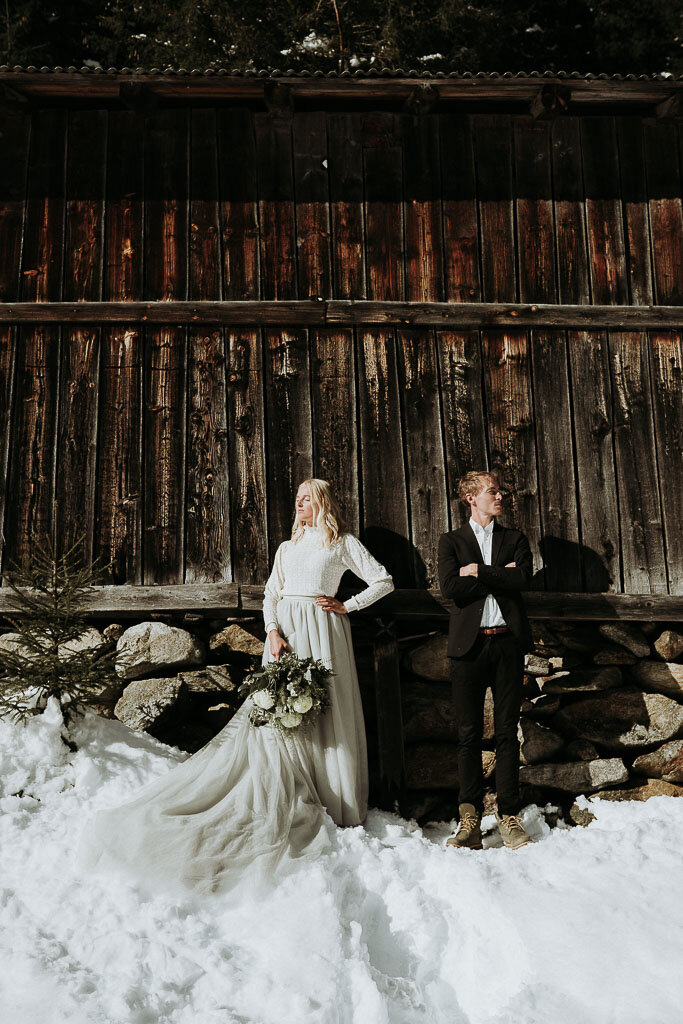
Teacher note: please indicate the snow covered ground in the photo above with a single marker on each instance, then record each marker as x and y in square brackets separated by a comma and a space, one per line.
[584, 926]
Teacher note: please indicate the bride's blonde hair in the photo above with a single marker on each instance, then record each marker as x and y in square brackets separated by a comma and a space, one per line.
[326, 513]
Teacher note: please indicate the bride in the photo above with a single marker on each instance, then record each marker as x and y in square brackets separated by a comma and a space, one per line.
[253, 801]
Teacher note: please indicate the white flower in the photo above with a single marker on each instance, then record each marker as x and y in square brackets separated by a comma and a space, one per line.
[290, 719]
[303, 703]
[263, 699]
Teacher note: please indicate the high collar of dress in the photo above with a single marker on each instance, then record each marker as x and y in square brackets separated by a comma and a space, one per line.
[486, 530]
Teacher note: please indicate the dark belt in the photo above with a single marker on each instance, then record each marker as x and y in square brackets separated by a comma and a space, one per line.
[493, 630]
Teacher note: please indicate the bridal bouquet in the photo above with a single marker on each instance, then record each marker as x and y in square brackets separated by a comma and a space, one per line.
[289, 693]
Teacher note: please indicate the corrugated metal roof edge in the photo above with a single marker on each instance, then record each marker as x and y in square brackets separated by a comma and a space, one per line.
[358, 74]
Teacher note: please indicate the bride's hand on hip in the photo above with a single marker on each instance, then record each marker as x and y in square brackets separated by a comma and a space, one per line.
[278, 645]
[331, 604]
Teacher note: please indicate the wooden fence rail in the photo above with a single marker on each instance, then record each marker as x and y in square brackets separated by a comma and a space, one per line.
[231, 598]
[340, 312]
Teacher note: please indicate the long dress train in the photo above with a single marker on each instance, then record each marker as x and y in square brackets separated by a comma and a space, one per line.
[255, 800]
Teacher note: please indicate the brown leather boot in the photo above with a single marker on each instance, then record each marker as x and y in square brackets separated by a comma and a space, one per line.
[512, 832]
[468, 835]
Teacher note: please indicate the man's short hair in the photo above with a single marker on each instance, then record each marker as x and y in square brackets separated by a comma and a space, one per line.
[472, 482]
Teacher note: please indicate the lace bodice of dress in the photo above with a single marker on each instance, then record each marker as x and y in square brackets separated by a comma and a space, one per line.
[309, 568]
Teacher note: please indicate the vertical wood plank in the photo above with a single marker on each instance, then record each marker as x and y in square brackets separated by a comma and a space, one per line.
[246, 434]
[335, 446]
[666, 213]
[593, 431]
[493, 139]
[422, 209]
[534, 212]
[634, 200]
[166, 244]
[556, 483]
[79, 376]
[512, 444]
[642, 547]
[666, 358]
[459, 203]
[15, 134]
[538, 283]
[289, 444]
[207, 503]
[32, 461]
[607, 251]
[239, 216]
[570, 226]
[386, 525]
[462, 410]
[383, 215]
[345, 166]
[119, 513]
[418, 383]
[309, 140]
[276, 206]
[239, 204]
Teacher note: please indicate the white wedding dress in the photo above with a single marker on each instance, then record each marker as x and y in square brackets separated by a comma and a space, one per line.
[255, 800]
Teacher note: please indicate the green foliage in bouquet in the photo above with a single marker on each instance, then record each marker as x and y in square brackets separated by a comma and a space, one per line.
[288, 694]
[44, 658]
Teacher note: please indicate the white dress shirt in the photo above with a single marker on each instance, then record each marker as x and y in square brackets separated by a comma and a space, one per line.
[491, 615]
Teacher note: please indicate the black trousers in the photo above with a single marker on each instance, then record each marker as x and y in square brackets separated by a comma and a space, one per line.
[496, 661]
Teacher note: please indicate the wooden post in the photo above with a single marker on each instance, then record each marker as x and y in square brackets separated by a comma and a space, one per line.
[389, 715]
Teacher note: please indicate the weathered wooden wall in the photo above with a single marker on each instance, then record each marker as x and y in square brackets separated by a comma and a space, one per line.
[177, 450]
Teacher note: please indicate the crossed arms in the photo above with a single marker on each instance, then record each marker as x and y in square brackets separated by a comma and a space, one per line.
[478, 580]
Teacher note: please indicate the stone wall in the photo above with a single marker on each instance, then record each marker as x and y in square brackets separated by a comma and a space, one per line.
[602, 713]
[602, 710]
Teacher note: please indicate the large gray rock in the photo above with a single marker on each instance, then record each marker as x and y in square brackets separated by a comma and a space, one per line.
[429, 714]
[235, 640]
[576, 776]
[628, 636]
[614, 655]
[89, 640]
[642, 791]
[662, 676]
[582, 680]
[213, 679]
[431, 766]
[537, 742]
[113, 631]
[583, 639]
[155, 647]
[147, 703]
[669, 644]
[666, 762]
[581, 750]
[429, 660]
[12, 643]
[541, 707]
[622, 720]
[435, 765]
[536, 666]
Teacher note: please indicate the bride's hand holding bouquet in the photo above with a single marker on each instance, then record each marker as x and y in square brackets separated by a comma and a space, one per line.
[288, 693]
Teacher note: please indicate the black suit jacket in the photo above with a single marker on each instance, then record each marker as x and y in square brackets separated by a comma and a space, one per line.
[468, 593]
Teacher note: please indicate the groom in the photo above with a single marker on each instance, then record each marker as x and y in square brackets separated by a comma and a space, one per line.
[482, 569]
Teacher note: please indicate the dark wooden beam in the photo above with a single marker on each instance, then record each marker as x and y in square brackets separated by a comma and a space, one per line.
[321, 312]
[186, 86]
[231, 598]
